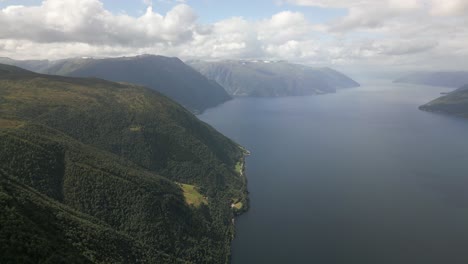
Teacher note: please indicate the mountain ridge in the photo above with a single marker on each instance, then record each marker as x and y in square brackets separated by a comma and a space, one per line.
[160, 73]
[272, 78]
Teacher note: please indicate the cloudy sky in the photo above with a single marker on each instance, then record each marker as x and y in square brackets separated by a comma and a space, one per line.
[415, 34]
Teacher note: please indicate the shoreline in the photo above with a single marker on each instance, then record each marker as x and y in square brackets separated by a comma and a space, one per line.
[245, 201]
[242, 204]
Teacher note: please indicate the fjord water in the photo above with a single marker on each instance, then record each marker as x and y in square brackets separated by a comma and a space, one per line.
[360, 176]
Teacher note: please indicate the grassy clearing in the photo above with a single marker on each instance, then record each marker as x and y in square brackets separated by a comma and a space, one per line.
[239, 167]
[135, 128]
[192, 196]
[237, 205]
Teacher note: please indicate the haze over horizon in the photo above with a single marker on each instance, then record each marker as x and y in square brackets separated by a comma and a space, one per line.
[363, 34]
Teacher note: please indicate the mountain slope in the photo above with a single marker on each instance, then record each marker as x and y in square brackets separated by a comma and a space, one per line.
[463, 88]
[455, 103]
[169, 76]
[448, 78]
[272, 79]
[101, 161]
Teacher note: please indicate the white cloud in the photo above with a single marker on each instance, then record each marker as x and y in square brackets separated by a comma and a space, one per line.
[350, 3]
[329, 3]
[390, 33]
[449, 7]
[405, 4]
[283, 27]
[233, 37]
[86, 21]
[421, 33]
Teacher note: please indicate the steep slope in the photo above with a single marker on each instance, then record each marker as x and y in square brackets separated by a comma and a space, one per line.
[32, 65]
[272, 79]
[463, 88]
[85, 161]
[169, 76]
[38, 229]
[448, 78]
[455, 103]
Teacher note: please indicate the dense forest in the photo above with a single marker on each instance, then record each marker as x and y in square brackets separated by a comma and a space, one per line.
[94, 171]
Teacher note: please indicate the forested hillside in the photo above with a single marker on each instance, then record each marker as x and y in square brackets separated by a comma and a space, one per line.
[97, 172]
[170, 76]
[454, 103]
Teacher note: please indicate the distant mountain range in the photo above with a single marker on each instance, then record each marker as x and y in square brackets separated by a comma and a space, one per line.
[170, 76]
[454, 103]
[204, 84]
[272, 78]
[94, 171]
[453, 79]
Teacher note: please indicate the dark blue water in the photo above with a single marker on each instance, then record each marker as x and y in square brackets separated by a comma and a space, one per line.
[361, 176]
